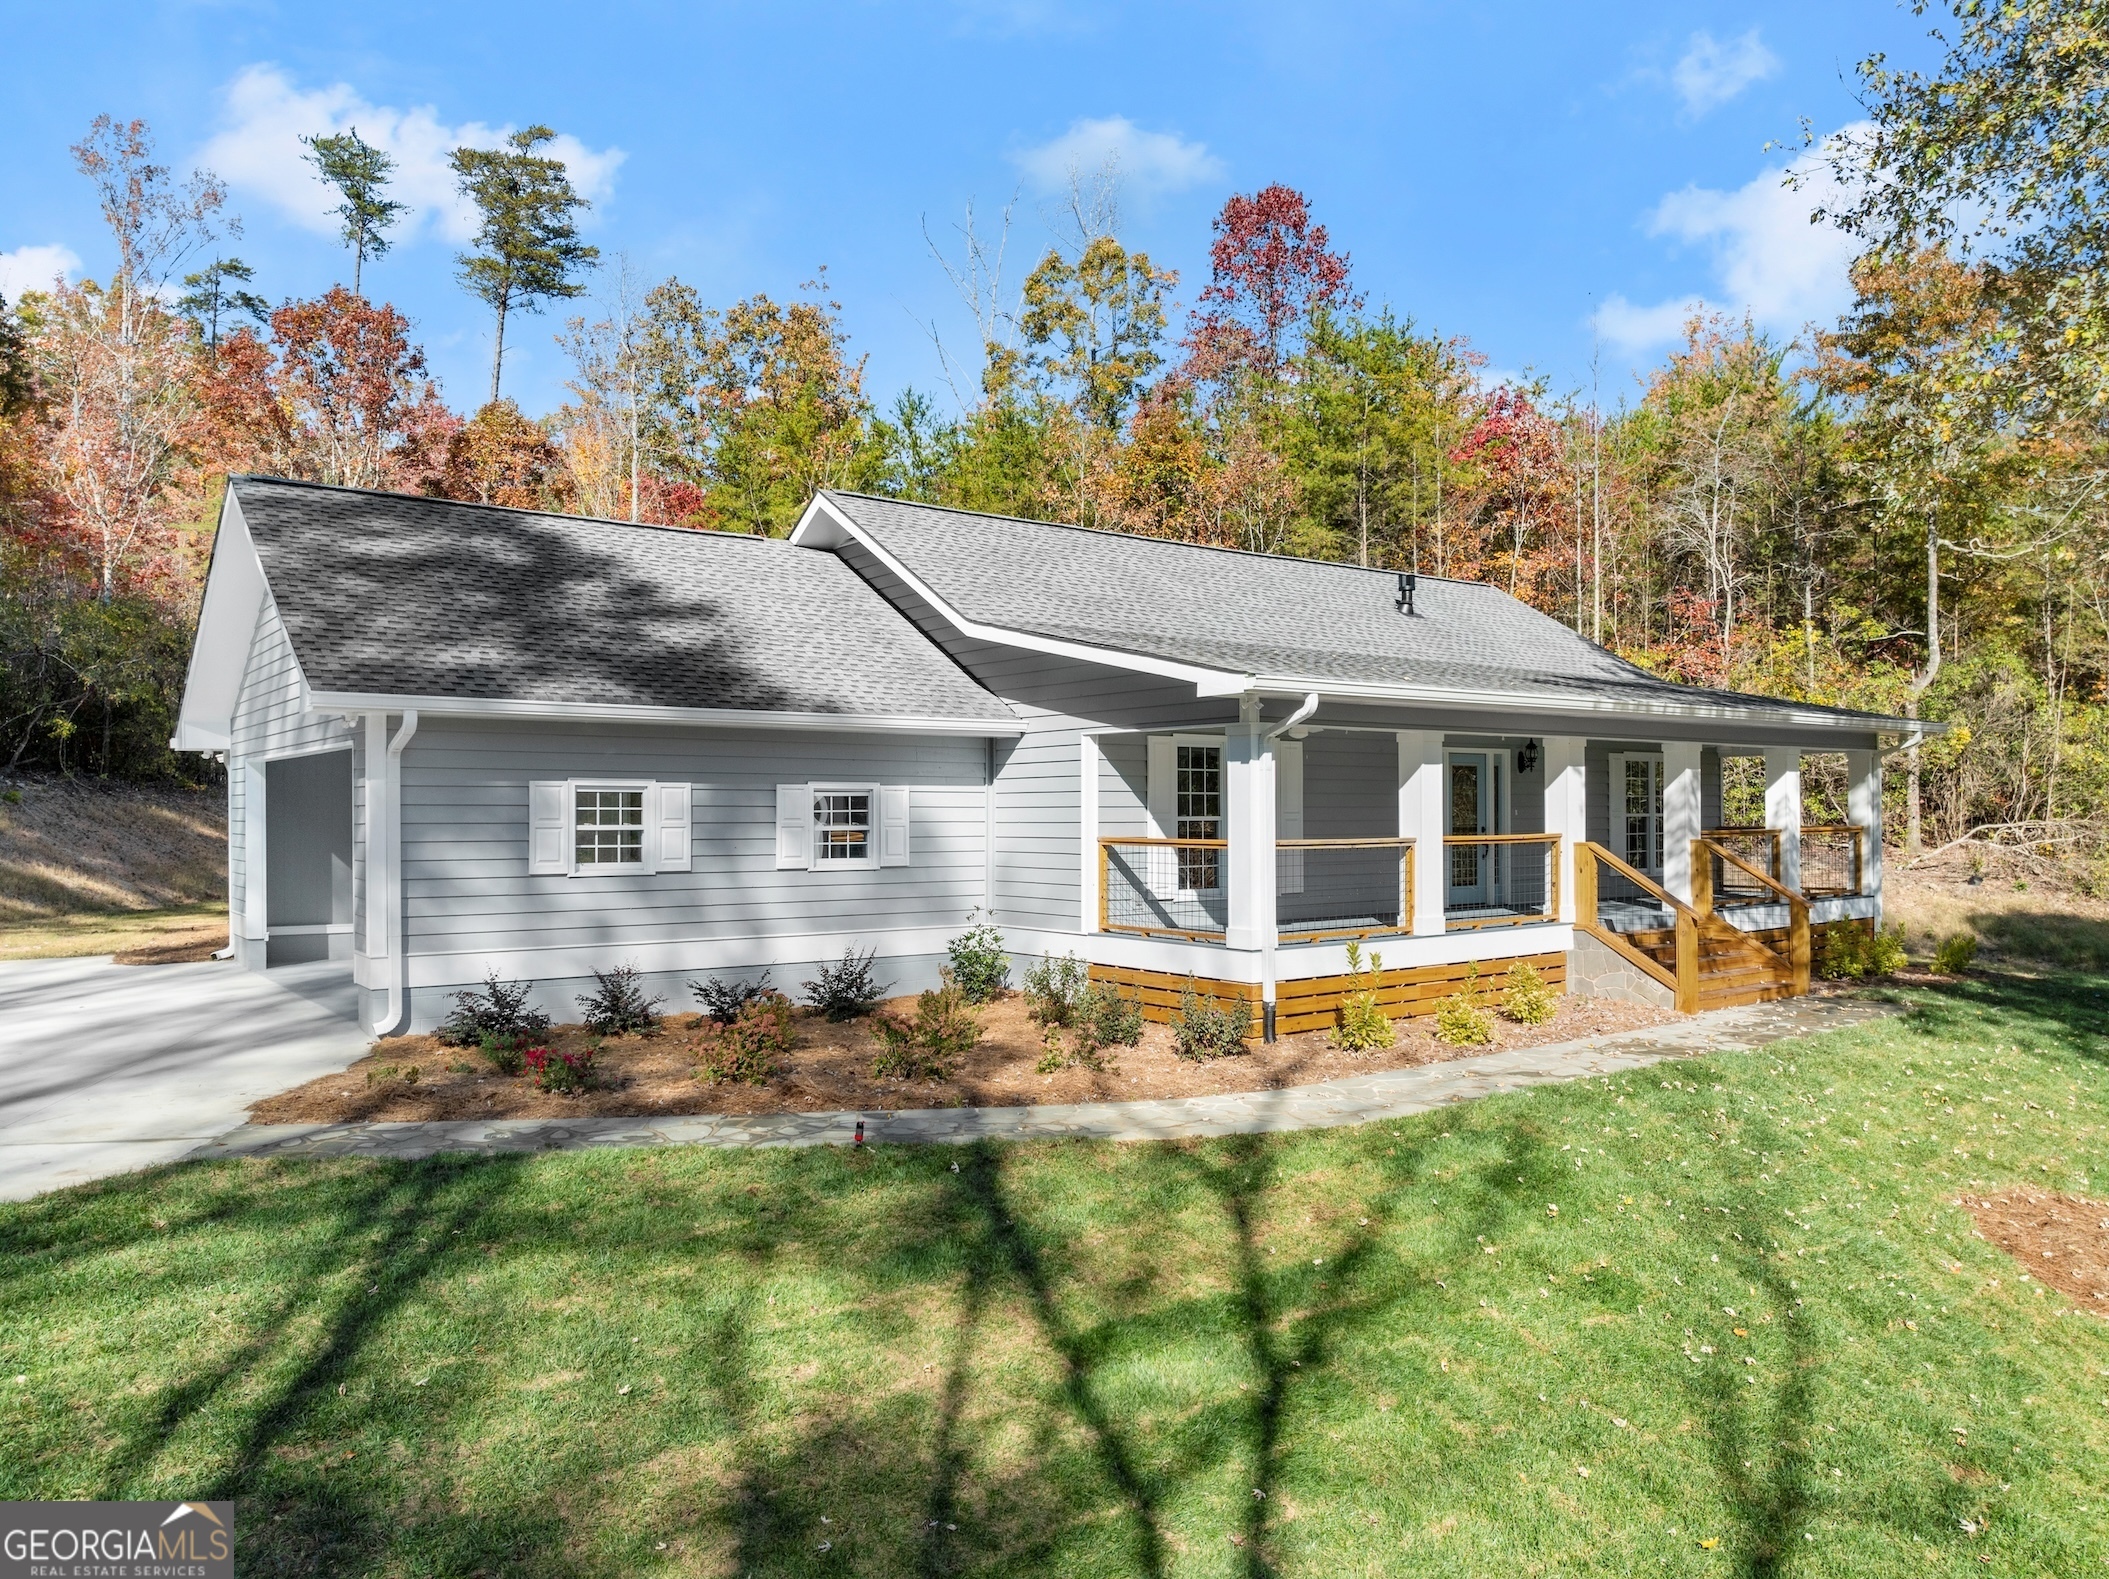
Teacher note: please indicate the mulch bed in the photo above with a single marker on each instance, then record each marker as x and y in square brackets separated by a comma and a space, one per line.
[2062, 1241]
[831, 1068]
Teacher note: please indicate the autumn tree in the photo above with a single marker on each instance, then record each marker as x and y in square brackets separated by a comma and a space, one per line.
[501, 456]
[359, 171]
[527, 245]
[216, 291]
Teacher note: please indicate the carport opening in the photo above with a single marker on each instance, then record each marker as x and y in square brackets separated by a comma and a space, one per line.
[308, 858]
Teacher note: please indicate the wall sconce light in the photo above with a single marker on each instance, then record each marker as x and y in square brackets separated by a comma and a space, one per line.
[1527, 756]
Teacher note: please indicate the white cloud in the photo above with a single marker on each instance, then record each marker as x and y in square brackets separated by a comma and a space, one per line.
[1709, 73]
[1768, 260]
[34, 268]
[1149, 162]
[259, 151]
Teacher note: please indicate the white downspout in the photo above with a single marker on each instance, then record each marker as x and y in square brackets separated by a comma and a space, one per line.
[1273, 934]
[391, 884]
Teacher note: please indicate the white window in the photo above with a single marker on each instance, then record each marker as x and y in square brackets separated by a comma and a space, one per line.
[841, 827]
[598, 828]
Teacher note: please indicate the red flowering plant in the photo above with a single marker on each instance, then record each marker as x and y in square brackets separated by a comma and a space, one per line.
[566, 1074]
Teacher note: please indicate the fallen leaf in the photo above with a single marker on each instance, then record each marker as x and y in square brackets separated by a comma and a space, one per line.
[1710, 1543]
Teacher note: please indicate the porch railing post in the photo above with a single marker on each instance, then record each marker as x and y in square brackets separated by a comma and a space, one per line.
[1683, 817]
[1783, 811]
[1567, 814]
[1864, 811]
[1248, 795]
[1421, 820]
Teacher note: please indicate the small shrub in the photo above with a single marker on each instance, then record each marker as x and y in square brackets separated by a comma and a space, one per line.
[13, 797]
[1847, 953]
[1957, 953]
[926, 1048]
[1885, 952]
[980, 963]
[723, 1000]
[1527, 1000]
[1463, 1021]
[1100, 1018]
[747, 1048]
[505, 1052]
[565, 1074]
[1055, 989]
[499, 1010]
[1363, 1025]
[846, 990]
[389, 1074]
[617, 1005]
[1205, 1029]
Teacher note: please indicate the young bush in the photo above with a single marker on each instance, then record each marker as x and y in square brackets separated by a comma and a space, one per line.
[388, 1074]
[747, 1048]
[1462, 1021]
[617, 1005]
[1841, 954]
[980, 963]
[1957, 953]
[1527, 1000]
[1055, 990]
[723, 1000]
[846, 990]
[506, 1052]
[1205, 1029]
[929, 1046]
[565, 1074]
[500, 1010]
[1100, 1018]
[1362, 1025]
[1885, 952]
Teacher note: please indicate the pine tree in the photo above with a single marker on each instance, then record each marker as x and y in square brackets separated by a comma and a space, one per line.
[359, 171]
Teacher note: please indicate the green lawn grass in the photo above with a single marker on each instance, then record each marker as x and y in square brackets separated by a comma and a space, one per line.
[112, 932]
[1367, 1351]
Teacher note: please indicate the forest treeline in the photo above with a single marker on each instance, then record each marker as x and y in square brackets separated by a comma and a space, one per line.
[1901, 511]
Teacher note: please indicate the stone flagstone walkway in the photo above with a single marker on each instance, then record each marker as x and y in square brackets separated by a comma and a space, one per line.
[1358, 1099]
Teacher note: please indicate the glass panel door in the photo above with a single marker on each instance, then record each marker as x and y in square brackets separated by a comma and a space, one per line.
[1471, 796]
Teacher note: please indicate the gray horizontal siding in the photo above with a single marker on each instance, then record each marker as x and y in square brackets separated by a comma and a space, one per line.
[467, 888]
[1350, 785]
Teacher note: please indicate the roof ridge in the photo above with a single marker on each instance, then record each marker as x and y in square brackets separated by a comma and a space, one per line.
[510, 509]
[1144, 537]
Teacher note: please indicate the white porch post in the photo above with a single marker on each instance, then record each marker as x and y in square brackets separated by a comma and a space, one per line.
[1864, 810]
[1087, 820]
[1683, 819]
[1567, 809]
[1783, 809]
[1421, 820]
[376, 846]
[1248, 806]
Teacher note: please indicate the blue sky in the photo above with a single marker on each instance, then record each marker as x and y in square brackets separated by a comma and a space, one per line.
[1538, 178]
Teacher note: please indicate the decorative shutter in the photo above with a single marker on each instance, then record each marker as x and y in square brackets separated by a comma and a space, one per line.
[256, 880]
[670, 804]
[1288, 813]
[794, 827]
[893, 827]
[1162, 787]
[548, 829]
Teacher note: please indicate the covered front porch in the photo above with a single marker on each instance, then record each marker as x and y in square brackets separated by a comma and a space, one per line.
[1256, 853]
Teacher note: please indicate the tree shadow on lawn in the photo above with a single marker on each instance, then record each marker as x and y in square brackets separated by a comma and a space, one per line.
[2067, 941]
[2064, 1012]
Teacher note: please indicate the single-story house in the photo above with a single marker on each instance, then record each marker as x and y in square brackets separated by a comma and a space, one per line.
[463, 738]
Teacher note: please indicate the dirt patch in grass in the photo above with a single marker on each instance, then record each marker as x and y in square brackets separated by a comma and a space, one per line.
[135, 937]
[832, 1068]
[2062, 1241]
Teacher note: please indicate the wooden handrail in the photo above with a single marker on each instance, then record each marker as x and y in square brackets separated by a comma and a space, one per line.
[1341, 844]
[1798, 944]
[1638, 879]
[1683, 981]
[1501, 838]
[1179, 844]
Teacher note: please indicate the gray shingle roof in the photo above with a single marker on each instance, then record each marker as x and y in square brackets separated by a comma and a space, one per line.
[1260, 614]
[395, 595]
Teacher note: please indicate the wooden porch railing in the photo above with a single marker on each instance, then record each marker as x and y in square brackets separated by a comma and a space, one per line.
[1705, 852]
[1833, 860]
[1683, 978]
[1529, 880]
[1163, 887]
[1342, 888]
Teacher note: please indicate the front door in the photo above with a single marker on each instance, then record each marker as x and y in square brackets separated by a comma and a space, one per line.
[1636, 824]
[1473, 802]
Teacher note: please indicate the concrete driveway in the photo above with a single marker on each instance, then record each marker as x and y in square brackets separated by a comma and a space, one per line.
[105, 1068]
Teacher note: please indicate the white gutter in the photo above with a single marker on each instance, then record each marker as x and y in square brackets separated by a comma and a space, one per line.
[1310, 706]
[391, 885]
[615, 712]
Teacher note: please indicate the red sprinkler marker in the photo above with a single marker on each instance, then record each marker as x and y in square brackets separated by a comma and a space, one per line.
[860, 1133]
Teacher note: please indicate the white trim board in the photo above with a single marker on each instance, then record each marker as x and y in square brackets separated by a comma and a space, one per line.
[613, 712]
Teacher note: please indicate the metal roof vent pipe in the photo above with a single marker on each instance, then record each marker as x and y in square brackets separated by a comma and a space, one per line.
[1406, 584]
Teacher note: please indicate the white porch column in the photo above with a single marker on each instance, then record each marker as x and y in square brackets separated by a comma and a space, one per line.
[1566, 808]
[377, 852]
[1248, 808]
[1683, 818]
[1783, 808]
[1088, 755]
[1863, 799]
[1421, 820]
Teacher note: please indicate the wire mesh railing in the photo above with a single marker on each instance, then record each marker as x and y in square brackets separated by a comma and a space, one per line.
[1833, 857]
[1338, 888]
[1501, 880]
[1164, 887]
[1760, 847]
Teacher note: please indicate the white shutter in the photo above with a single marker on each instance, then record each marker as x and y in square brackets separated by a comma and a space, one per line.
[893, 827]
[670, 803]
[548, 828]
[1288, 812]
[256, 880]
[1163, 787]
[794, 827]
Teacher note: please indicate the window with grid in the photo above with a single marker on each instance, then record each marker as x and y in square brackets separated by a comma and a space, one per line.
[841, 825]
[608, 827]
[1200, 813]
